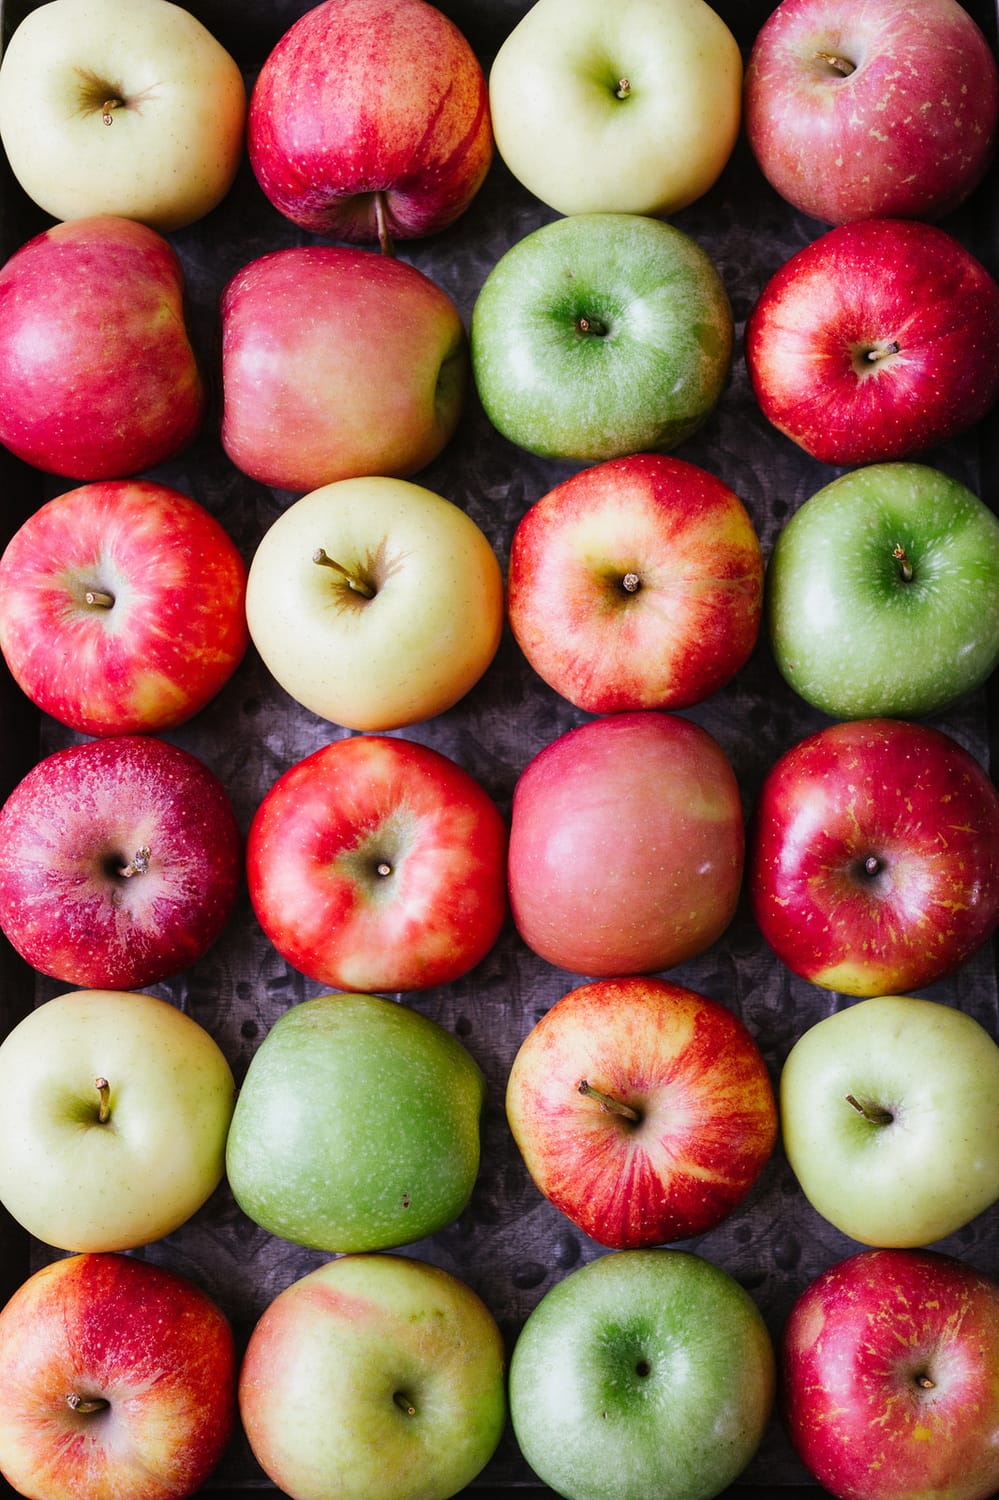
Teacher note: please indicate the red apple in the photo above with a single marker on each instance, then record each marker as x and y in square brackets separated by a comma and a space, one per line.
[643, 1110]
[861, 109]
[876, 341]
[889, 1366]
[120, 862]
[636, 583]
[122, 607]
[98, 377]
[119, 1379]
[378, 864]
[626, 845]
[873, 863]
[338, 362]
[370, 120]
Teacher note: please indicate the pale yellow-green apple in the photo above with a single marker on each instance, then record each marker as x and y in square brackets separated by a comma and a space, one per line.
[632, 107]
[375, 602]
[135, 110]
[119, 1109]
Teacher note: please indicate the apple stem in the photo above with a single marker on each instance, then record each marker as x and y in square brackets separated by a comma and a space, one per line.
[881, 351]
[631, 583]
[104, 1107]
[872, 1112]
[838, 64]
[904, 565]
[107, 110]
[623, 89]
[100, 598]
[591, 327]
[85, 1404]
[404, 1404]
[139, 863]
[608, 1102]
[925, 1383]
[381, 223]
[359, 586]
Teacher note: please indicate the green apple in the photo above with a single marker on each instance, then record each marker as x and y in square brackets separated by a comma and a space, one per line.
[601, 335]
[374, 1377]
[644, 1375]
[117, 1107]
[882, 593]
[357, 1126]
[890, 1119]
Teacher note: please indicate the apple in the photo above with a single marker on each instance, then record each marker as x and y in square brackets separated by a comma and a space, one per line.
[883, 593]
[861, 109]
[890, 1119]
[636, 583]
[374, 1377]
[119, 1105]
[122, 607]
[369, 120]
[337, 362]
[120, 862]
[375, 602]
[889, 1361]
[601, 335]
[643, 1110]
[626, 845]
[130, 110]
[357, 1126]
[378, 864]
[642, 1375]
[873, 861]
[98, 377]
[119, 1378]
[630, 108]
[875, 341]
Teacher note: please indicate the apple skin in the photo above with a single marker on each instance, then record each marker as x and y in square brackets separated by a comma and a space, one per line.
[81, 1177]
[890, 1119]
[120, 862]
[632, 108]
[147, 1344]
[626, 845]
[165, 153]
[369, 120]
[888, 1364]
[875, 342]
[642, 1375]
[167, 630]
[357, 1126]
[338, 362]
[79, 300]
[601, 335]
[913, 802]
[424, 638]
[861, 109]
[374, 1377]
[706, 1115]
[860, 631]
[636, 583]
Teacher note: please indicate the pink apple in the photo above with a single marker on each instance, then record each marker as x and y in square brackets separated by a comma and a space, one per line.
[636, 583]
[122, 607]
[120, 862]
[861, 109]
[626, 845]
[98, 377]
[119, 1378]
[643, 1110]
[889, 1370]
[874, 859]
[370, 120]
[378, 864]
[336, 363]
[876, 341]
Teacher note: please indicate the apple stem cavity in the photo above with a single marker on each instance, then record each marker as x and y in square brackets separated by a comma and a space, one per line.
[104, 1100]
[904, 565]
[875, 1113]
[85, 1404]
[138, 864]
[608, 1102]
[322, 557]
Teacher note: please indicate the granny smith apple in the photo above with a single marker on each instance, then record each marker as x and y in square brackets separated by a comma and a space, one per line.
[883, 593]
[601, 335]
[357, 1125]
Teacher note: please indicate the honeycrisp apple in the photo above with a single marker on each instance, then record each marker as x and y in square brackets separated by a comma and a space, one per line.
[601, 335]
[119, 1378]
[629, 108]
[119, 1108]
[337, 362]
[636, 583]
[375, 602]
[122, 607]
[134, 110]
